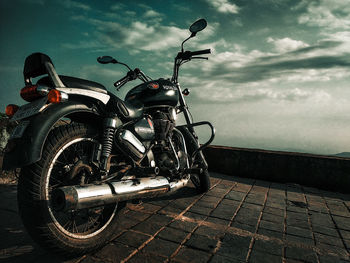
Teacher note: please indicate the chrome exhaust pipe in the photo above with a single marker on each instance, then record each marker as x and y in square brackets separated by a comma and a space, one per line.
[87, 196]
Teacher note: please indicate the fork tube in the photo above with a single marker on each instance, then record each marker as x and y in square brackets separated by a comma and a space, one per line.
[185, 110]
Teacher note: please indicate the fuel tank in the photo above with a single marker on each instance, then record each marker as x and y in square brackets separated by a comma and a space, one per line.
[160, 92]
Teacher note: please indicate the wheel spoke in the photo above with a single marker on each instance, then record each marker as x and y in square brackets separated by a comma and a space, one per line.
[70, 169]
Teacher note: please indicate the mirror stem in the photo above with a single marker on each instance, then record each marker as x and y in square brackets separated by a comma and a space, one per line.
[124, 65]
[183, 42]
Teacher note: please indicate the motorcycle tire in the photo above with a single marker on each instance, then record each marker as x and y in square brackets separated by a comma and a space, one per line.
[201, 181]
[48, 227]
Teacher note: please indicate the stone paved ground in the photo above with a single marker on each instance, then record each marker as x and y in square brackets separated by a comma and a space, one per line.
[238, 220]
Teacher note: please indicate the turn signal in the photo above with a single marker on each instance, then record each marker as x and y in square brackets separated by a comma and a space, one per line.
[29, 93]
[56, 96]
[33, 92]
[11, 109]
[186, 92]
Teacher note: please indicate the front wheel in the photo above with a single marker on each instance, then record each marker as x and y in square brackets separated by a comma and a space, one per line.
[65, 161]
[201, 181]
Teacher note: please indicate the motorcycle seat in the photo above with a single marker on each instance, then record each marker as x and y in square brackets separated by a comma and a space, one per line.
[124, 109]
[72, 82]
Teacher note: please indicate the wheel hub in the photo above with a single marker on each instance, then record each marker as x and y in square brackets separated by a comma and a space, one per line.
[82, 170]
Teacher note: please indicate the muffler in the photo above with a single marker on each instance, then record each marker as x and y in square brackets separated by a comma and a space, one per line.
[87, 196]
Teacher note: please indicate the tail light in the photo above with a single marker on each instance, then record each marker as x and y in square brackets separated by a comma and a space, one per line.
[33, 92]
[56, 96]
[11, 109]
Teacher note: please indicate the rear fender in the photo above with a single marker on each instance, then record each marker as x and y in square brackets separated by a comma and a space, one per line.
[28, 148]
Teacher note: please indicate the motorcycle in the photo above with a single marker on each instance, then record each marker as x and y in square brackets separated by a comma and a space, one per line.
[84, 152]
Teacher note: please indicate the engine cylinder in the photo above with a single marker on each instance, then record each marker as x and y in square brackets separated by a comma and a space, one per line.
[129, 143]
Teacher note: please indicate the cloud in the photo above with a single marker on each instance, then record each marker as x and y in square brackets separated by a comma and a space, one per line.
[326, 14]
[182, 8]
[229, 95]
[137, 36]
[75, 4]
[82, 45]
[224, 6]
[152, 17]
[237, 75]
[99, 70]
[151, 13]
[286, 44]
[117, 7]
[240, 68]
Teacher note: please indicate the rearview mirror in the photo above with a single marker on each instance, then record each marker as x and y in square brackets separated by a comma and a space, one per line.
[197, 26]
[106, 60]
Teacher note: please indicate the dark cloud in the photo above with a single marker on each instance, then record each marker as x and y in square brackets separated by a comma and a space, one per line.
[322, 45]
[267, 67]
[258, 72]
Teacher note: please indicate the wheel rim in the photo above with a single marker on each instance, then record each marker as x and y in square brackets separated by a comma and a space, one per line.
[85, 223]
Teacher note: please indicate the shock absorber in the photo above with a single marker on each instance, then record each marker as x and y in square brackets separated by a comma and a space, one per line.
[109, 126]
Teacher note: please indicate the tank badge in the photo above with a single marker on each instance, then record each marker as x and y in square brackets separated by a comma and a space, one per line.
[168, 87]
[153, 85]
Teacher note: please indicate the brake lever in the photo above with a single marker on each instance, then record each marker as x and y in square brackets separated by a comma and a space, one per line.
[206, 58]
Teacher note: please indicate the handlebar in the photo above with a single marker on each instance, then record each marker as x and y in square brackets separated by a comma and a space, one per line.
[188, 54]
[131, 75]
[121, 82]
[201, 52]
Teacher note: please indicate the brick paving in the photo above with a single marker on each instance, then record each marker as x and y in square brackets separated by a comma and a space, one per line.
[238, 220]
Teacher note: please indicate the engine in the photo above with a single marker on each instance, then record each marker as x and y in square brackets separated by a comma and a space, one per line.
[168, 150]
[157, 129]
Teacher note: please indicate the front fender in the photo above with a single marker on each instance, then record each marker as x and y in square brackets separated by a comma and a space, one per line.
[28, 149]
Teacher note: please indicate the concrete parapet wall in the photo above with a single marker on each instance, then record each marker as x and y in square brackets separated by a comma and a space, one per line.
[325, 172]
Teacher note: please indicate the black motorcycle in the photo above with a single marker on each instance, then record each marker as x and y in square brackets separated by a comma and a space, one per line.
[84, 152]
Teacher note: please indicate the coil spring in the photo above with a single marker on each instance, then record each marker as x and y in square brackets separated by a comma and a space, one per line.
[107, 145]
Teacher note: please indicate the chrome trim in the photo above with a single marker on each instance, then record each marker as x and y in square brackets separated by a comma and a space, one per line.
[184, 144]
[174, 114]
[64, 96]
[53, 75]
[89, 93]
[93, 195]
[178, 184]
[61, 87]
[158, 106]
[110, 122]
[87, 196]
[175, 154]
[42, 90]
[131, 138]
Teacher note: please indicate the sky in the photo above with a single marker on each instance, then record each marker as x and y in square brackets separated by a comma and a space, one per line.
[277, 78]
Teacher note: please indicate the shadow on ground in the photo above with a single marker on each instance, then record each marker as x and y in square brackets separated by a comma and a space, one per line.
[238, 220]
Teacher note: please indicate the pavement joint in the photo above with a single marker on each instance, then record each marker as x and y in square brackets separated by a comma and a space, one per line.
[162, 228]
[310, 224]
[233, 216]
[239, 220]
[338, 231]
[257, 225]
[200, 223]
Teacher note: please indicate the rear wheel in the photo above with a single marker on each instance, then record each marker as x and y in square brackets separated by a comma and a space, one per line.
[65, 161]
